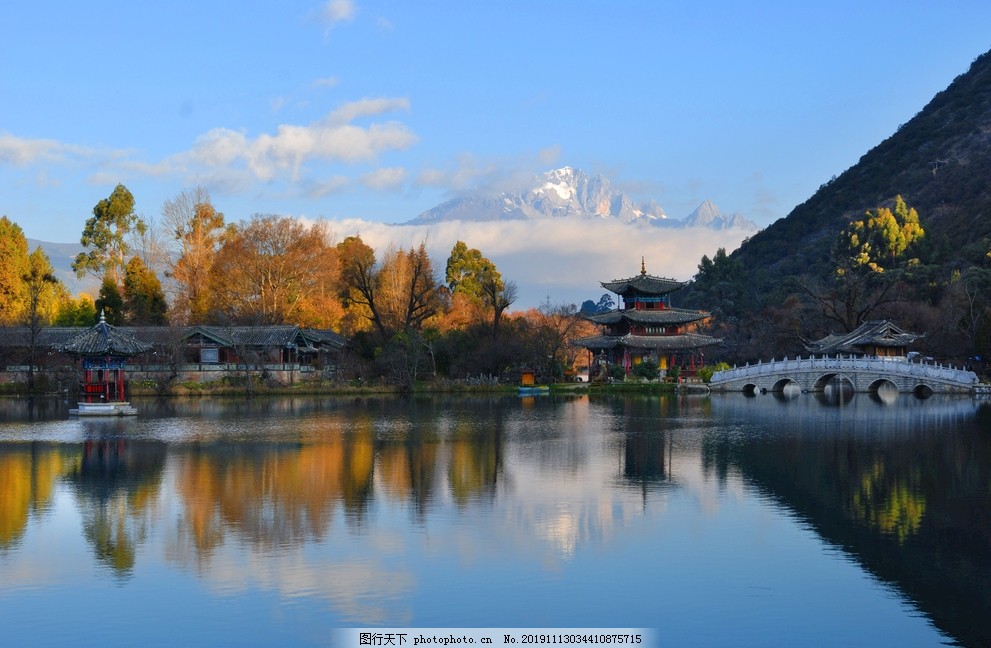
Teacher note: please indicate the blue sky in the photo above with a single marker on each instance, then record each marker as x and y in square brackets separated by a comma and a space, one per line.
[374, 111]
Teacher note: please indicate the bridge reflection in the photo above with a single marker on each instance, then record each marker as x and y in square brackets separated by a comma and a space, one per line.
[902, 489]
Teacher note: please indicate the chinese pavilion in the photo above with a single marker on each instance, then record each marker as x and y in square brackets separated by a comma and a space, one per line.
[878, 338]
[104, 350]
[646, 327]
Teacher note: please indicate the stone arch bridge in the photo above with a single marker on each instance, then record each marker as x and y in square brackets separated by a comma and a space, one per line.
[861, 373]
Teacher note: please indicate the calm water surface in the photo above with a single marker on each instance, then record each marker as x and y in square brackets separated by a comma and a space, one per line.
[718, 520]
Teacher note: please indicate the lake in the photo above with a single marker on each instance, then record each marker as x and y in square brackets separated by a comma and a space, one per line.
[710, 520]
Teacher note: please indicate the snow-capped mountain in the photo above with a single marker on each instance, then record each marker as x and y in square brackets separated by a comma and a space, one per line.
[708, 215]
[570, 193]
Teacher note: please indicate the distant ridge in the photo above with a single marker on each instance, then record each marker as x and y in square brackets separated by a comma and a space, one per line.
[570, 193]
[61, 256]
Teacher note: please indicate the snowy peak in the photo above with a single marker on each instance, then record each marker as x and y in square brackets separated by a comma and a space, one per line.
[570, 193]
[708, 215]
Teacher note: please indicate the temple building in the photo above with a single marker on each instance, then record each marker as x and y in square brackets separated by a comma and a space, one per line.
[646, 327]
[104, 350]
[878, 338]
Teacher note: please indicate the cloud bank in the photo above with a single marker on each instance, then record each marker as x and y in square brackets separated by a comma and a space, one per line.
[557, 260]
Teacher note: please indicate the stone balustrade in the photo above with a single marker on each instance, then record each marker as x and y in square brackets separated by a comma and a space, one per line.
[864, 373]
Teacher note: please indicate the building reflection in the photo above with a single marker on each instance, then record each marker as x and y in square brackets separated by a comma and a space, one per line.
[116, 482]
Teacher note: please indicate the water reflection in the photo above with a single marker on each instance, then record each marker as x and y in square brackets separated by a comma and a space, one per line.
[28, 474]
[904, 489]
[116, 483]
[344, 500]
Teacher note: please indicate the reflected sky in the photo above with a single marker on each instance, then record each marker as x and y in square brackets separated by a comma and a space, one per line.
[763, 521]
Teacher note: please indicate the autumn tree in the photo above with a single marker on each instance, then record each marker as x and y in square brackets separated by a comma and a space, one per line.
[13, 266]
[871, 256]
[497, 295]
[359, 283]
[273, 270]
[144, 301]
[79, 311]
[106, 234]
[409, 291]
[42, 290]
[880, 240]
[199, 230]
[553, 329]
[396, 297]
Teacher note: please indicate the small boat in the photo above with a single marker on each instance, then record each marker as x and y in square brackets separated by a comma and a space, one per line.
[119, 408]
[533, 390]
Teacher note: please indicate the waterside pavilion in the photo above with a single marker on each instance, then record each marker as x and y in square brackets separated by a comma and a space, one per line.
[104, 351]
[646, 327]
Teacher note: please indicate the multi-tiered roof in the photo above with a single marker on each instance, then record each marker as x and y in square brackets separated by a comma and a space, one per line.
[645, 320]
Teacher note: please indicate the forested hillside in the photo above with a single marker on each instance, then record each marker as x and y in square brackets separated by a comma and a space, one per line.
[784, 285]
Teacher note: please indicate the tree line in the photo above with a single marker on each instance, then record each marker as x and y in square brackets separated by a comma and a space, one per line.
[407, 321]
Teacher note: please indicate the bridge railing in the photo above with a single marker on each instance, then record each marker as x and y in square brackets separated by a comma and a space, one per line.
[899, 366]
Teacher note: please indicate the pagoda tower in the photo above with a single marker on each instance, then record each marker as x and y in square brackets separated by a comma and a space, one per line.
[646, 327]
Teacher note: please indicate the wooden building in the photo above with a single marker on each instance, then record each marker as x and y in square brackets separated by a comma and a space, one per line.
[878, 338]
[195, 353]
[645, 326]
[103, 351]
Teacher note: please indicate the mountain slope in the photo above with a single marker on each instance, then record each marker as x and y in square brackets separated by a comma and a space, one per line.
[61, 256]
[939, 162]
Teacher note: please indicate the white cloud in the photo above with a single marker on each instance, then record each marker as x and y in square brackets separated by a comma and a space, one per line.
[335, 11]
[332, 139]
[384, 179]
[332, 185]
[328, 82]
[218, 147]
[365, 108]
[563, 260]
[549, 156]
[20, 151]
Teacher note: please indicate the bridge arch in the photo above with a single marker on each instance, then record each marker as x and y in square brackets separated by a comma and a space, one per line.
[882, 384]
[784, 384]
[883, 390]
[751, 389]
[922, 391]
[836, 381]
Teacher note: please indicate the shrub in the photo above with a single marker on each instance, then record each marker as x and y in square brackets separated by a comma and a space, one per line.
[647, 369]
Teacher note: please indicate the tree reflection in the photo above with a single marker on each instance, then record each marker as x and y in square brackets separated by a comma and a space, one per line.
[28, 473]
[904, 489]
[476, 458]
[891, 506]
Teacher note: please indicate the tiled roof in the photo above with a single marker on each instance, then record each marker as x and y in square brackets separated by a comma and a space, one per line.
[656, 342]
[139, 339]
[876, 333]
[324, 337]
[644, 284]
[104, 340]
[254, 336]
[660, 316]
